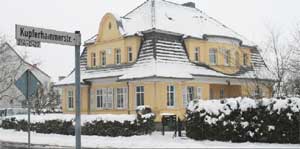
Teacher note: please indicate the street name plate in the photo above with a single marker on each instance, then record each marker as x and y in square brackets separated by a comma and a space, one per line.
[30, 34]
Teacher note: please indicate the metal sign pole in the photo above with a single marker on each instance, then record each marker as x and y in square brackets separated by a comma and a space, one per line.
[77, 82]
[28, 106]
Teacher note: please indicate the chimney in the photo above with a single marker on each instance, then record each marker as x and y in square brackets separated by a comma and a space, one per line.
[189, 4]
[61, 77]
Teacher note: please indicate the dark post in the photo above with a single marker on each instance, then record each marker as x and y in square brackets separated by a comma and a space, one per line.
[163, 125]
[28, 105]
[179, 127]
[77, 90]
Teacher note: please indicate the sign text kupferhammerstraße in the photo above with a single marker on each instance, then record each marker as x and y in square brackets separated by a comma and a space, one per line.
[45, 35]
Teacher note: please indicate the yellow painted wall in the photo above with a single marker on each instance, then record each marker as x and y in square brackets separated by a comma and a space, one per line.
[204, 45]
[84, 99]
[110, 39]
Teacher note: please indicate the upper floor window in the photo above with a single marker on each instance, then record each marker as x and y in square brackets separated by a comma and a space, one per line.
[170, 95]
[237, 59]
[103, 58]
[227, 57]
[118, 56]
[213, 56]
[197, 51]
[245, 59]
[93, 59]
[70, 99]
[130, 58]
[139, 95]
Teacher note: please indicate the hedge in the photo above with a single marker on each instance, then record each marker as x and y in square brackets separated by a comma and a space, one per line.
[244, 119]
[143, 124]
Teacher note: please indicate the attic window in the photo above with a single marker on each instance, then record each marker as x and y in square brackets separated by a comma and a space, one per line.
[109, 25]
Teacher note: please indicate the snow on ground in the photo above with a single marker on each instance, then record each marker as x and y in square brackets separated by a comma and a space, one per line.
[156, 140]
[84, 118]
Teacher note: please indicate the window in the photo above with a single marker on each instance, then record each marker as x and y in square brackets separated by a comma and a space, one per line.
[130, 58]
[109, 25]
[103, 58]
[213, 56]
[100, 98]
[237, 59]
[197, 51]
[199, 92]
[190, 93]
[227, 57]
[139, 95]
[222, 93]
[70, 99]
[93, 58]
[121, 96]
[245, 59]
[109, 99]
[118, 56]
[170, 96]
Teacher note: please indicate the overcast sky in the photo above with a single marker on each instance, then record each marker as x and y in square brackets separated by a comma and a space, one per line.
[248, 17]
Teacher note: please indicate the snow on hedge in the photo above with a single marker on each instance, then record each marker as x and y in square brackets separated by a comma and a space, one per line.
[84, 118]
[227, 105]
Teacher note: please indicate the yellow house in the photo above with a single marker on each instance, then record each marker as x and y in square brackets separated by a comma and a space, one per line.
[163, 55]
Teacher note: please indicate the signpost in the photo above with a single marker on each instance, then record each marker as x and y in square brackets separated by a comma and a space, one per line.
[33, 36]
[28, 85]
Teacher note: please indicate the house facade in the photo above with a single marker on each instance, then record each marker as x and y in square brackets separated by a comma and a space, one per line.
[163, 55]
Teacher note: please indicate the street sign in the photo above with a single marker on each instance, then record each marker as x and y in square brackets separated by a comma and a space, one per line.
[29, 33]
[27, 83]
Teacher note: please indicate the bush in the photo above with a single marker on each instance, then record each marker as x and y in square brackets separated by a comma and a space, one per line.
[143, 124]
[241, 120]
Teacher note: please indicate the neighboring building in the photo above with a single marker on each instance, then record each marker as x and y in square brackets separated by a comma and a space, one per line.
[164, 54]
[13, 66]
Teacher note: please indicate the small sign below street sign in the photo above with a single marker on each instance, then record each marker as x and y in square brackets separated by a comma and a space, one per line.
[28, 43]
[27, 84]
[29, 33]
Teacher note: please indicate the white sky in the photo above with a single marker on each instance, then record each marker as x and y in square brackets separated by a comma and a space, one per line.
[247, 17]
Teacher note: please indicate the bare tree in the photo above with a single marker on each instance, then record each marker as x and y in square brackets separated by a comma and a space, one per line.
[9, 68]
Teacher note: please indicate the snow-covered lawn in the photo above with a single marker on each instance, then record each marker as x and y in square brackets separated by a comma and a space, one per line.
[156, 140]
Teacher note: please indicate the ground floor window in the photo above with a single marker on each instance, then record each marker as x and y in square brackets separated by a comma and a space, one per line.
[170, 96]
[190, 93]
[139, 95]
[121, 96]
[70, 99]
[100, 98]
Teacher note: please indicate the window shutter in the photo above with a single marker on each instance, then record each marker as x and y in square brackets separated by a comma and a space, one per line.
[92, 100]
[104, 90]
[125, 98]
[184, 96]
[110, 98]
[115, 103]
[199, 92]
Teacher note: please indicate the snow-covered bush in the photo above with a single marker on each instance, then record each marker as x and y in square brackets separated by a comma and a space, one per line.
[101, 125]
[245, 119]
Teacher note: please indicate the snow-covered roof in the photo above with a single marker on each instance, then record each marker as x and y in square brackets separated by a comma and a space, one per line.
[172, 17]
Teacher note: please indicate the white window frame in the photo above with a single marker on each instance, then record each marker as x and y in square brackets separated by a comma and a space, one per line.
[120, 96]
[93, 59]
[109, 98]
[70, 97]
[100, 95]
[226, 57]
[199, 92]
[169, 93]
[118, 56]
[129, 54]
[222, 93]
[103, 58]
[196, 54]
[140, 93]
[213, 53]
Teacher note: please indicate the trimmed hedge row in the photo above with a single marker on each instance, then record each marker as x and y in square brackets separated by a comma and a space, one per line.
[260, 123]
[142, 125]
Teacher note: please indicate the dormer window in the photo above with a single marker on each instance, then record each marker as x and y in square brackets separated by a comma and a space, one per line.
[130, 58]
[118, 56]
[197, 51]
[245, 59]
[226, 57]
[213, 56]
[109, 25]
[93, 59]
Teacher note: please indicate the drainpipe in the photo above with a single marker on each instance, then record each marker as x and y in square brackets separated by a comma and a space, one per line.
[128, 97]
